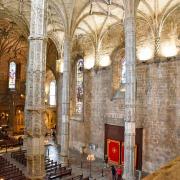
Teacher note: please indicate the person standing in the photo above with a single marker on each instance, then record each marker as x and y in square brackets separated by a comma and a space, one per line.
[113, 170]
[119, 173]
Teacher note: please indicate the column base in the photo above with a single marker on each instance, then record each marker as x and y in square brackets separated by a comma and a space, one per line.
[64, 160]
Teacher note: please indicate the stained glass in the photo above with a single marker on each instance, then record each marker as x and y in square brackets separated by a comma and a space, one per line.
[52, 93]
[12, 75]
[79, 86]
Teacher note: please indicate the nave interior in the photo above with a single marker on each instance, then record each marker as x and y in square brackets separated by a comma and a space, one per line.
[95, 80]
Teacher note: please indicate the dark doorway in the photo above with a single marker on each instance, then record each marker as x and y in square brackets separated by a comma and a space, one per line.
[117, 133]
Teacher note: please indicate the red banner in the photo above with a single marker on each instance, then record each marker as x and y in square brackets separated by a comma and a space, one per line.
[113, 149]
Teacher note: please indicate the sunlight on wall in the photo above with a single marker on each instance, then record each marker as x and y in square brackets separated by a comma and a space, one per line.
[168, 48]
[145, 53]
[104, 60]
[89, 62]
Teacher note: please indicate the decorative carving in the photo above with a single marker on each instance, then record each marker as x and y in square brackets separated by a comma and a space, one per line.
[35, 92]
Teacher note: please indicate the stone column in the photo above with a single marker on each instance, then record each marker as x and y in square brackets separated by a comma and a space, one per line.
[130, 55]
[35, 91]
[59, 101]
[65, 101]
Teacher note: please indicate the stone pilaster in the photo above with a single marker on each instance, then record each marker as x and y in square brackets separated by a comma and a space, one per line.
[65, 101]
[130, 55]
[35, 93]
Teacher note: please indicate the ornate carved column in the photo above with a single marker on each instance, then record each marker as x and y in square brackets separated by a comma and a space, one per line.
[130, 55]
[65, 101]
[35, 91]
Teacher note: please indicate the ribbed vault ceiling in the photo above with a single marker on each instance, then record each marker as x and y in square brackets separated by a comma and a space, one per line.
[88, 17]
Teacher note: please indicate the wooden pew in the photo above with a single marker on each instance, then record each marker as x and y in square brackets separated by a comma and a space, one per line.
[20, 156]
[60, 173]
[9, 171]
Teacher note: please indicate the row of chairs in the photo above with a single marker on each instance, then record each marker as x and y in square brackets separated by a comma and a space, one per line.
[53, 169]
[9, 171]
[8, 143]
[56, 171]
[20, 156]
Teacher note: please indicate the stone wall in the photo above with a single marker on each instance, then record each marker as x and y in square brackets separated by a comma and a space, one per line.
[157, 111]
[99, 108]
[158, 101]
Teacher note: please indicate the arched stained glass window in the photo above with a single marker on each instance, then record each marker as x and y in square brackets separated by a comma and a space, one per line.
[79, 85]
[12, 75]
[123, 71]
[52, 93]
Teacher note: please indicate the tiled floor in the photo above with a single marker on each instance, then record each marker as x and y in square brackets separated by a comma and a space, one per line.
[80, 165]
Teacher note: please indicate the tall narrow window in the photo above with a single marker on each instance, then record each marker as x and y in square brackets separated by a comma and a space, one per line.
[79, 85]
[123, 72]
[12, 75]
[52, 93]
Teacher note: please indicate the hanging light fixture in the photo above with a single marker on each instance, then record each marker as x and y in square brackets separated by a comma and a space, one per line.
[168, 48]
